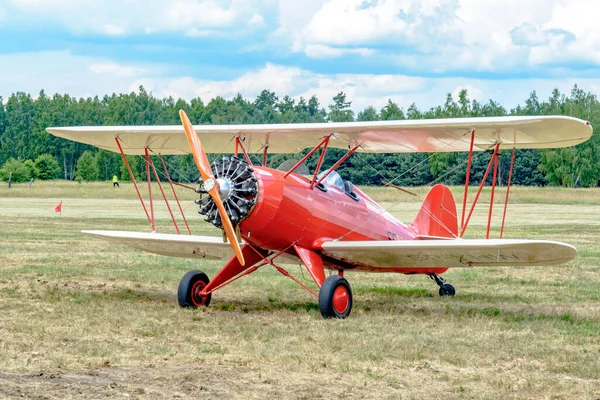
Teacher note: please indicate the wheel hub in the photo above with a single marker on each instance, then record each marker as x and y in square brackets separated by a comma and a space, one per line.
[340, 299]
[197, 298]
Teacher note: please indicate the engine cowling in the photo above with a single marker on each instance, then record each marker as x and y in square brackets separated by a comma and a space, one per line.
[238, 189]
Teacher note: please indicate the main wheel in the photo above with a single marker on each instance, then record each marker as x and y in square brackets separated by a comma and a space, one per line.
[335, 297]
[190, 286]
[447, 290]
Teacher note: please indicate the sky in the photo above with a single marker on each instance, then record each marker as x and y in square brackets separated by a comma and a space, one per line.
[409, 51]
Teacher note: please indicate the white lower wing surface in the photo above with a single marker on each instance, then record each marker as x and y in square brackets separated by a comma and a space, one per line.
[206, 247]
[450, 253]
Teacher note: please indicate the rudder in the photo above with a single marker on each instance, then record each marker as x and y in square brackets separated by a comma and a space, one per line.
[437, 216]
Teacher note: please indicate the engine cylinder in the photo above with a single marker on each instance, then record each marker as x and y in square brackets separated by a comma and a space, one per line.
[238, 189]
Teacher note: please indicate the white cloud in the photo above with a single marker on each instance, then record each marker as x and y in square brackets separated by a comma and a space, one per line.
[356, 21]
[363, 89]
[63, 72]
[116, 70]
[435, 36]
[113, 30]
[117, 18]
[282, 80]
[257, 21]
[449, 35]
[293, 17]
[323, 51]
[195, 32]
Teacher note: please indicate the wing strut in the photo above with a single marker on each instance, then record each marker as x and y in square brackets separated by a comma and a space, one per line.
[495, 158]
[323, 142]
[495, 162]
[338, 163]
[462, 223]
[238, 145]
[132, 178]
[487, 171]
[512, 164]
[175, 193]
[150, 164]
[152, 222]
[165, 197]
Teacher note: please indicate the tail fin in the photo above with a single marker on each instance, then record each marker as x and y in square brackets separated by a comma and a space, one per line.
[437, 216]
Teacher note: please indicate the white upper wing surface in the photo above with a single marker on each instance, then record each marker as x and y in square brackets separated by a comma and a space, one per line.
[439, 135]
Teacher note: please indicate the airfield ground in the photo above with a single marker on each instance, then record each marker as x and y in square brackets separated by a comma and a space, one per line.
[83, 318]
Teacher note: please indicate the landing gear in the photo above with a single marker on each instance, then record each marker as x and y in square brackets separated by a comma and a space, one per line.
[445, 288]
[335, 297]
[190, 286]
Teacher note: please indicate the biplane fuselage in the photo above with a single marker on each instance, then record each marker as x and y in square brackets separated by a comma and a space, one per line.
[289, 212]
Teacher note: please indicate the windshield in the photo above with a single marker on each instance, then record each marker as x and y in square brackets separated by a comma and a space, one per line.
[333, 179]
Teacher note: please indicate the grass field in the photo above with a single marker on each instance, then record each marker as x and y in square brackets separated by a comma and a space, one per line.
[82, 318]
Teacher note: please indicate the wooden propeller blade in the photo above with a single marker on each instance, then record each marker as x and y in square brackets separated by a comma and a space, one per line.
[196, 146]
[235, 245]
[207, 175]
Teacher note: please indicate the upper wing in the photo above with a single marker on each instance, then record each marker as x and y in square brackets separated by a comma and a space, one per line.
[439, 135]
[207, 247]
[450, 253]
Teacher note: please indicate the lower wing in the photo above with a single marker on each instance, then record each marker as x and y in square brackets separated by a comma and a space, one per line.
[206, 247]
[383, 254]
[450, 253]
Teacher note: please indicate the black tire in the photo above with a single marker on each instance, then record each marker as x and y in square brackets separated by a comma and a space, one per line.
[189, 286]
[447, 290]
[335, 297]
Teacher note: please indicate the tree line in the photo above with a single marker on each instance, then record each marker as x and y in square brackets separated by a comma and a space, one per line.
[27, 151]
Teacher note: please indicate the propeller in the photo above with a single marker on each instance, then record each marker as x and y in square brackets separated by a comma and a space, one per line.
[211, 185]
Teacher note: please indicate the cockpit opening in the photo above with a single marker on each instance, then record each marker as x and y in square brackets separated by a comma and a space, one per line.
[335, 180]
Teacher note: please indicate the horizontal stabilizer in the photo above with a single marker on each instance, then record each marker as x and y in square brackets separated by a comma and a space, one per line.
[450, 253]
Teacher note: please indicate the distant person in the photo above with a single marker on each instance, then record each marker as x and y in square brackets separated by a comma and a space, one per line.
[115, 181]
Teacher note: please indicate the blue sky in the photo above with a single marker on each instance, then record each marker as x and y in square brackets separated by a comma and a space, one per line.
[374, 50]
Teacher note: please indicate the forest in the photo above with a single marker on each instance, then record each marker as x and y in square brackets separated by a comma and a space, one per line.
[28, 152]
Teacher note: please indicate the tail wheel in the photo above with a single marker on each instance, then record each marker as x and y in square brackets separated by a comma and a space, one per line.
[190, 287]
[335, 297]
[447, 290]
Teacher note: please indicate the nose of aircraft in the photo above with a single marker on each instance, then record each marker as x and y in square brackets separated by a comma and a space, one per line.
[238, 189]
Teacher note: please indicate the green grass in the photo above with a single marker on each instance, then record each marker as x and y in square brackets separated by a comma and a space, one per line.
[93, 313]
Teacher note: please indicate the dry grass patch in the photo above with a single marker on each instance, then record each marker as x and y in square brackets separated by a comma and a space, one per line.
[84, 318]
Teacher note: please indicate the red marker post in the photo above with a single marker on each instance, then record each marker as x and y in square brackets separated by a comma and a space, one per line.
[58, 208]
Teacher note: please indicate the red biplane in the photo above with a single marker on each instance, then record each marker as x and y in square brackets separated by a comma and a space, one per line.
[323, 221]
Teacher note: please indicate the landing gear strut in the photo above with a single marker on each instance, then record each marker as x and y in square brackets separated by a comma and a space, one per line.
[445, 288]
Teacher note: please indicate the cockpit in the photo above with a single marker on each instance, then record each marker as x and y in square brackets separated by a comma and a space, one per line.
[335, 180]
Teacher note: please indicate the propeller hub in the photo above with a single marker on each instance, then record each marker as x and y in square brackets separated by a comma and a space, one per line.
[224, 188]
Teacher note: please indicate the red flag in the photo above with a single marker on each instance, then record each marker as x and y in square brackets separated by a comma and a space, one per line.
[58, 208]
